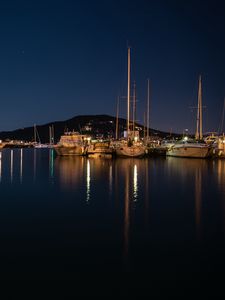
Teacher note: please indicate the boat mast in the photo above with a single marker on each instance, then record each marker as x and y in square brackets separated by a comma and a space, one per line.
[198, 134]
[128, 95]
[117, 117]
[144, 125]
[35, 135]
[50, 135]
[134, 107]
[200, 109]
[53, 138]
[148, 111]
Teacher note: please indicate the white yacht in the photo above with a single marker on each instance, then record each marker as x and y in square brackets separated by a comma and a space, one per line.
[192, 148]
[189, 148]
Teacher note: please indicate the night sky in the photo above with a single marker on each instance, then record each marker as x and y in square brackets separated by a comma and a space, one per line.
[60, 59]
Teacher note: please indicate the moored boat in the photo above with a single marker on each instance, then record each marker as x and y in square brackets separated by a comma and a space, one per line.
[189, 149]
[131, 146]
[135, 149]
[72, 143]
[99, 149]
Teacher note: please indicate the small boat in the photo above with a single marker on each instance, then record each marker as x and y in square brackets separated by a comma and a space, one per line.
[37, 142]
[72, 143]
[100, 149]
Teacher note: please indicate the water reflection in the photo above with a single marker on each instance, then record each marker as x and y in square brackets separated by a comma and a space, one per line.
[51, 163]
[146, 202]
[70, 171]
[198, 201]
[110, 180]
[126, 218]
[135, 183]
[0, 166]
[187, 171]
[219, 168]
[11, 165]
[88, 181]
[221, 173]
[21, 165]
[34, 163]
[127, 180]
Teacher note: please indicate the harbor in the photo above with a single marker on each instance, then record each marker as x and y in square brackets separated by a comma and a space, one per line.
[112, 147]
[86, 214]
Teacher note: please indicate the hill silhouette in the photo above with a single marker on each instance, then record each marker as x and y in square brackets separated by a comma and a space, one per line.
[96, 125]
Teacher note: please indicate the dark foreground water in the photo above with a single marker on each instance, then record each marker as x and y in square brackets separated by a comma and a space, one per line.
[131, 225]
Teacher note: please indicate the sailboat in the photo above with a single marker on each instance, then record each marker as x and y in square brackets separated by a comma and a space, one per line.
[37, 142]
[192, 148]
[131, 146]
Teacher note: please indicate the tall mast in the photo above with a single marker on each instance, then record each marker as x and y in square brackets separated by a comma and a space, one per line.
[117, 117]
[200, 109]
[198, 134]
[134, 107]
[128, 94]
[144, 124]
[148, 111]
[50, 135]
[35, 136]
[53, 138]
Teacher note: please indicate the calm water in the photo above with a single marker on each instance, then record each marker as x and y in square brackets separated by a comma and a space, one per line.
[137, 222]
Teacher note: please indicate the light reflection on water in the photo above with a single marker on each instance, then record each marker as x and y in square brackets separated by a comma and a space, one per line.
[139, 210]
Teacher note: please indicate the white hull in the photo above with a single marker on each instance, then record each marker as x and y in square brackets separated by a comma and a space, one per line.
[196, 151]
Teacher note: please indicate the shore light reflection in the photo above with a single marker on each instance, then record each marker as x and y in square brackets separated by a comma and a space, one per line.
[88, 180]
[34, 164]
[11, 165]
[135, 183]
[51, 163]
[0, 166]
[198, 201]
[126, 219]
[110, 180]
[21, 165]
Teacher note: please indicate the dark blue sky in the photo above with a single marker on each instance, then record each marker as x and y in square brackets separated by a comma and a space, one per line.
[59, 59]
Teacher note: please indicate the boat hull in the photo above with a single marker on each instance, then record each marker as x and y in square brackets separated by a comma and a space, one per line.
[189, 151]
[133, 151]
[69, 151]
[100, 150]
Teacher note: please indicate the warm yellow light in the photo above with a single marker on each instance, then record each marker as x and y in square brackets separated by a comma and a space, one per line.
[88, 179]
[135, 182]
